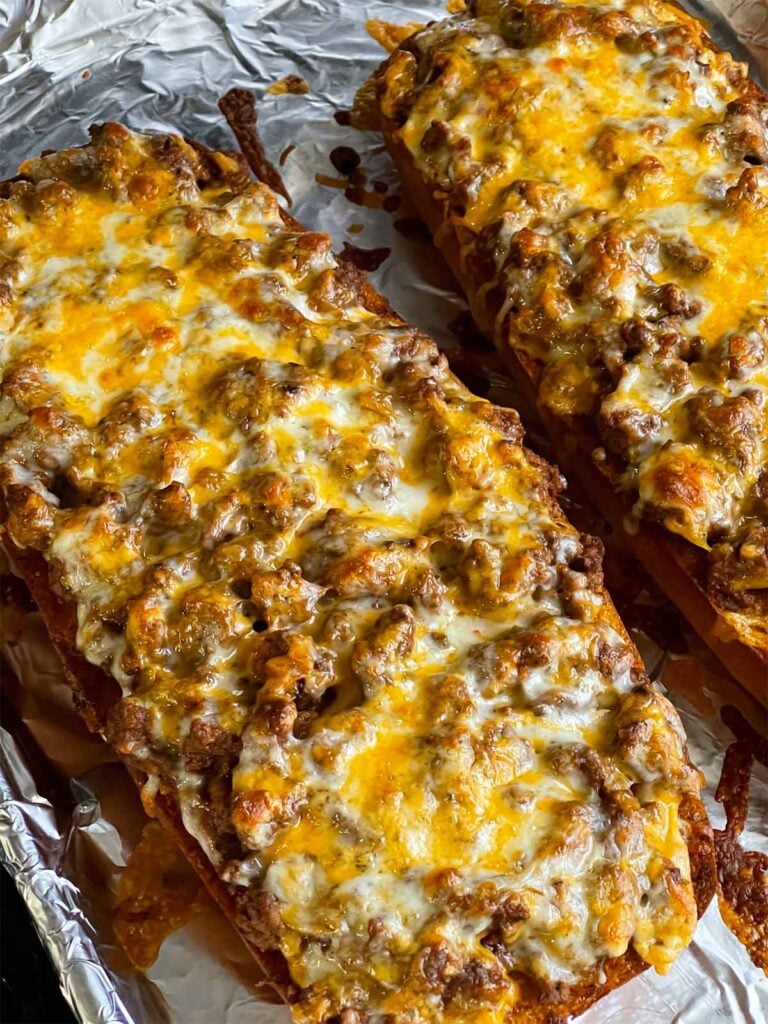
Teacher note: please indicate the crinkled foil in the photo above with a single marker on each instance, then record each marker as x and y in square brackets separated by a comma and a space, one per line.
[69, 815]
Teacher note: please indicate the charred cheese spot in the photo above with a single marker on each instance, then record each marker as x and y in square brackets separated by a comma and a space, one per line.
[353, 630]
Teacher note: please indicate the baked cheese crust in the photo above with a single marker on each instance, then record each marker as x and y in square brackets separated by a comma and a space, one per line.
[355, 638]
[601, 168]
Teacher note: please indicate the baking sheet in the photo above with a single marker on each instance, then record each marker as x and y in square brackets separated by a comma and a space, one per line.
[65, 833]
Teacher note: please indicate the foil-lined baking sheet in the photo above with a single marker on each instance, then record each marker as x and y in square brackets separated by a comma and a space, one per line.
[69, 814]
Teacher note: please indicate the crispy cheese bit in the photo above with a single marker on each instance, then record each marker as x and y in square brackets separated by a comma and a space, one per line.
[742, 874]
[355, 635]
[602, 167]
[390, 35]
[157, 894]
[293, 84]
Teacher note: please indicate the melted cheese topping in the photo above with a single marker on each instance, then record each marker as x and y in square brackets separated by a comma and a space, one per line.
[603, 171]
[354, 633]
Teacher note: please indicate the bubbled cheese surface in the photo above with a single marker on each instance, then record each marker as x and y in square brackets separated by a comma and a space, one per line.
[353, 631]
[603, 168]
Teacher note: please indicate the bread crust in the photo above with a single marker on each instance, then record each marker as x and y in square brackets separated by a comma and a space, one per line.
[96, 693]
[676, 565]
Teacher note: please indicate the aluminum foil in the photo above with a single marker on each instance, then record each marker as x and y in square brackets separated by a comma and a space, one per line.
[69, 814]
